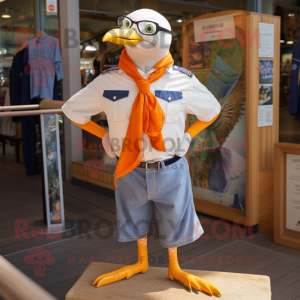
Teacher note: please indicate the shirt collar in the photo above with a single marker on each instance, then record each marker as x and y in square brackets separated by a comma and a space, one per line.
[167, 70]
[42, 38]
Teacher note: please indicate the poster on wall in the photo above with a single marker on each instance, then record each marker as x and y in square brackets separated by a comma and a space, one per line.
[266, 40]
[52, 170]
[265, 107]
[266, 71]
[265, 94]
[293, 192]
[218, 153]
[213, 29]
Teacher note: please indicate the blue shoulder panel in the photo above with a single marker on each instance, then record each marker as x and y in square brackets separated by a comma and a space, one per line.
[182, 70]
[110, 69]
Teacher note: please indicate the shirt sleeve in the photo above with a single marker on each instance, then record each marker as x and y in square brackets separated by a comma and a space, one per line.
[84, 104]
[201, 102]
[294, 87]
[58, 64]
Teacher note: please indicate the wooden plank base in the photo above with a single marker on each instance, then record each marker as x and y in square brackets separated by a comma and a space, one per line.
[155, 284]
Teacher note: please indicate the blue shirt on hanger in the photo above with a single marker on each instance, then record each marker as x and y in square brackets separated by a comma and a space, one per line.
[294, 101]
[44, 63]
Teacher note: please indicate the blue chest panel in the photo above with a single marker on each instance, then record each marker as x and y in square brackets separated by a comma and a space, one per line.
[110, 69]
[115, 95]
[183, 70]
[168, 95]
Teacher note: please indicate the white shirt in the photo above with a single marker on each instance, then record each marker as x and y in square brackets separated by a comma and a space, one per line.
[114, 93]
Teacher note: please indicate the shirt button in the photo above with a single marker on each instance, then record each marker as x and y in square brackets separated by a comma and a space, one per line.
[169, 98]
[114, 97]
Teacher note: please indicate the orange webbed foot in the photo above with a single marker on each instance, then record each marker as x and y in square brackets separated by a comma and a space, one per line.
[193, 281]
[125, 272]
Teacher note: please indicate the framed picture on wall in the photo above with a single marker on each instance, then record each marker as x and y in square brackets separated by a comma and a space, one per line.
[266, 71]
[217, 155]
[287, 195]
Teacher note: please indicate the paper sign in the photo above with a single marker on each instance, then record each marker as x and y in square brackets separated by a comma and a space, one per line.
[293, 192]
[265, 115]
[213, 29]
[266, 40]
[51, 7]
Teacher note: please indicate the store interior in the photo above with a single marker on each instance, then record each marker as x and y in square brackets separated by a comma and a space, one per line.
[86, 203]
[96, 17]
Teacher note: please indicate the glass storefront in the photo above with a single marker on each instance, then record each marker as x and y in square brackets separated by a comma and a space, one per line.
[17, 26]
[288, 126]
[97, 17]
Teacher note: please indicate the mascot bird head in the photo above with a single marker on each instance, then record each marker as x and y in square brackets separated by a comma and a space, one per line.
[146, 35]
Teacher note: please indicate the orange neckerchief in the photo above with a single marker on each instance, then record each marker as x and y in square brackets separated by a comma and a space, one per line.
[146, 115]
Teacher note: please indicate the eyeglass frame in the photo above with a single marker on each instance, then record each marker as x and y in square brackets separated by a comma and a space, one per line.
[158, 28]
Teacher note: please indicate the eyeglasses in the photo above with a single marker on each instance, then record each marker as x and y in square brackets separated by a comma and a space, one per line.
[144, 27]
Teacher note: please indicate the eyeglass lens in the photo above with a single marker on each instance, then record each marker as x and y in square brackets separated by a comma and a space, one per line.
[145, 27]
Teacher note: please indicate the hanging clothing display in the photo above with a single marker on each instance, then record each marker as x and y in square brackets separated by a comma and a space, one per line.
[28, 122]
[294, 105]
[97, 67]
[15, 81]
[44, 63]
[7, 128]
[35, 75]
[113, 58]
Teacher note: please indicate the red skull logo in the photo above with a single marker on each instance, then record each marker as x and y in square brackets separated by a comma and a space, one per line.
[94, 165]
[40, 68]
[40, 258]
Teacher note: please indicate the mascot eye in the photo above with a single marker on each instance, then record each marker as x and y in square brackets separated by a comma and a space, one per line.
[126, 23]
[149, 28]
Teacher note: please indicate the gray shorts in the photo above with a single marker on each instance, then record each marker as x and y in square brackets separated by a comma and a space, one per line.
[169, 191]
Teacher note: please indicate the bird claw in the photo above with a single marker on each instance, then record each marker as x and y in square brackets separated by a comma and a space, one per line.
[125, 272]
[192, 281]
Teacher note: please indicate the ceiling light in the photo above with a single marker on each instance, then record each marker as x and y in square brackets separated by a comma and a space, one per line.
[290, 42]
[2, 0]
[6, 14]
[179, 21]
[291, 15]
[282, 41]
[90, 48]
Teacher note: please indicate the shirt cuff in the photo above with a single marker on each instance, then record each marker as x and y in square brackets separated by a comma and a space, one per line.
[73, 117]
[214, 113]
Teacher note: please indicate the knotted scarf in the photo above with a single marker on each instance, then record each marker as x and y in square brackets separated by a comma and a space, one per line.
[146, 115]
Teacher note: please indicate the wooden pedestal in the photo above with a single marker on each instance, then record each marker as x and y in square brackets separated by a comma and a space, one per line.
[155, 284]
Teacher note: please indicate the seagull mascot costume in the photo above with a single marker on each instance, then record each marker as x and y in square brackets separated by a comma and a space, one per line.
[146, 100]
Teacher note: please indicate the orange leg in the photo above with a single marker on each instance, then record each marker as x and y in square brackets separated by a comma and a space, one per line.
[126, 272]
[189, 280]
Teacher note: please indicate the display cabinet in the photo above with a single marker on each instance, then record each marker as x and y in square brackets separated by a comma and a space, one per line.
[231, 162]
